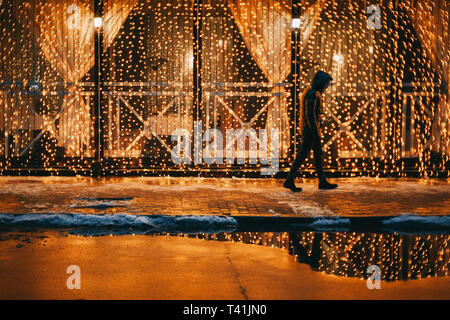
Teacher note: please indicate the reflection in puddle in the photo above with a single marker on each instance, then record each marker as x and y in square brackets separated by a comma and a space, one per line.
[400, 257]
[344, 254]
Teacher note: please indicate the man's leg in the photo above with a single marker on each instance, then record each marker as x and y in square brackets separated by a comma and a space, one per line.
[301, 156]
[317, 150]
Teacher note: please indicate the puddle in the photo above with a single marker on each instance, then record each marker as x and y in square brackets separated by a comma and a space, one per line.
[343, 254]
[349, 254]
[101, 203]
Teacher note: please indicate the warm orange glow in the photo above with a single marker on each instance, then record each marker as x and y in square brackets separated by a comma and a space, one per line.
[387, 110]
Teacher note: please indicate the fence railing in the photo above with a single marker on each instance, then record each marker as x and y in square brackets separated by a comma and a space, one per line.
[136, 111]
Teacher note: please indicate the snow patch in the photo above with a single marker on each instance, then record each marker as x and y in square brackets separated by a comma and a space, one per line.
[411, 222]
[122, 221]
[331, 223]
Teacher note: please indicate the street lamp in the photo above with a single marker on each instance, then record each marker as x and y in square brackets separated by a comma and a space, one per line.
[97, 102]
[97, 22]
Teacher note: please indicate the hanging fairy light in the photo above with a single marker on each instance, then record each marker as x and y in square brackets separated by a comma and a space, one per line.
[386, 114]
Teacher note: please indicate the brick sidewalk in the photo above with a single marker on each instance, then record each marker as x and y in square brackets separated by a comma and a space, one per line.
[224, 196]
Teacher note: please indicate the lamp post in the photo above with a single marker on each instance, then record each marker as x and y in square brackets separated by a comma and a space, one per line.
[197, 61]
[296, 22]
[98, 136]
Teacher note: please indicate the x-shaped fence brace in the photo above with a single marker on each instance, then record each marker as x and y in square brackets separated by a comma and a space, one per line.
[244, 125]
[344, 126]
[148, 126]
[48, 123]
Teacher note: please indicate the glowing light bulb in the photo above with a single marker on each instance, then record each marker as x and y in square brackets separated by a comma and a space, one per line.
[97, 22]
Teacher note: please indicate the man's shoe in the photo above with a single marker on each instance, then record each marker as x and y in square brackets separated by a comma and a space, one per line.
[291, 186]
[327, 186]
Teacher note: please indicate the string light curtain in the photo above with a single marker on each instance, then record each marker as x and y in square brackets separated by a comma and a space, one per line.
[265, 28]
[308, 22]
[309, 19]
[371, 122]
[149, 78]
[430, 20]
[65, 32]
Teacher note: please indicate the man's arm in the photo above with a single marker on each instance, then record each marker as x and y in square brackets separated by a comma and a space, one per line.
[312, 102]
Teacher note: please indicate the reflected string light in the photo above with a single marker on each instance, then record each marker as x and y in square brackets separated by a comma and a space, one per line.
[345, 254]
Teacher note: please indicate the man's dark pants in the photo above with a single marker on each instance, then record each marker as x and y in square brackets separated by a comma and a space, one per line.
[310, 140]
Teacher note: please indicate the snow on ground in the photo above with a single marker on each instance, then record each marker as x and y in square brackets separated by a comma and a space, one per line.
[121, 222]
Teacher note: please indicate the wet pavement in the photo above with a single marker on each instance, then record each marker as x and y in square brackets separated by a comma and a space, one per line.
[124, 235]
[223, 196]
[224, 266]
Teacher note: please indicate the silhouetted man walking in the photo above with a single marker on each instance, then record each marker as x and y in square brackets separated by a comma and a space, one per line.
[311, 105]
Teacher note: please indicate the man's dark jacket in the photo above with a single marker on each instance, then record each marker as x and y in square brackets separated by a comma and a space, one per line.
[312, 102]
